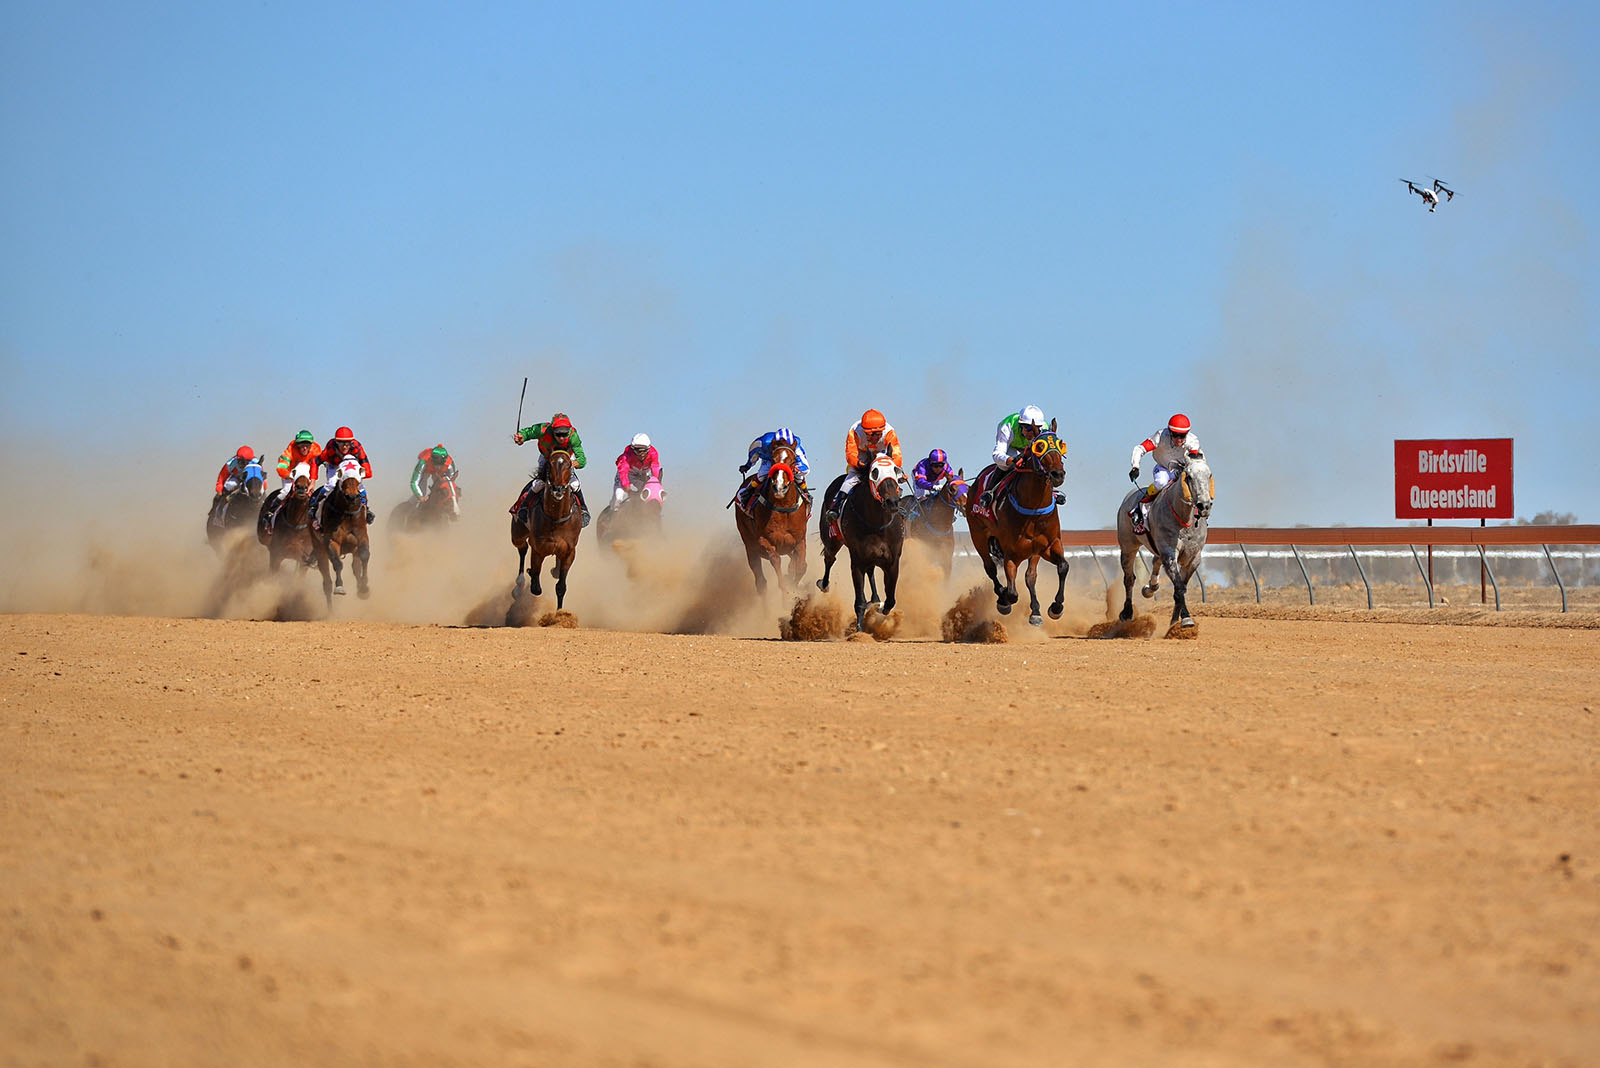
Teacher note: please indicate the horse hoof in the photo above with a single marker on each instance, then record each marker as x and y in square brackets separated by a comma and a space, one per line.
[1186, 622]
[364, 594]
[1036, 620]
[338, 591]
[823, 586]
[1147, 591]
[1004, 608]
[1055, 611]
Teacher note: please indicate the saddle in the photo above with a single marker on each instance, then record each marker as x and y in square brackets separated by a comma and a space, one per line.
[989, 476]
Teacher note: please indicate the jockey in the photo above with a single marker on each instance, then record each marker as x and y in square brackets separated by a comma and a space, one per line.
[863, 442]
[1011, 439]
[638, 463]
[931, 474]
[1166, 447]
[557, 434]
[760, 459]
[433, 467]
[302, 450]
[343, 444]
[231, 477]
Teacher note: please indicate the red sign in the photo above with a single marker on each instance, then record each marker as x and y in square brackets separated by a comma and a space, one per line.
[1457, 478]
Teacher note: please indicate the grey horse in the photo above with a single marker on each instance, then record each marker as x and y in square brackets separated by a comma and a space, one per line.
[1177, 535]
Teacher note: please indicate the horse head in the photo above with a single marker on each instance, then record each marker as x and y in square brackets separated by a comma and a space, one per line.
[558, 473]
[780, 477]
[254, 481]
[653, 493]
[302, 481]
[349, 477]
[955, 490]
[1047, 455]
[884, 480]
[1197, 485]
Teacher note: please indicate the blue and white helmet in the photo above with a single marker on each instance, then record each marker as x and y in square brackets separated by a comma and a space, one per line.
[783, 434]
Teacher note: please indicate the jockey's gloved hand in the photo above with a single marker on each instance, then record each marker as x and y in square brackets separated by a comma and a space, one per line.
[1133, 475]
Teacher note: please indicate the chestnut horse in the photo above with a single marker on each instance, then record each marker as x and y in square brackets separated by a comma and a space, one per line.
[290, 537]
[341, 530]
[554, 523]
[775, 525]
[1022, 523]
[872, 525]
[933, 521]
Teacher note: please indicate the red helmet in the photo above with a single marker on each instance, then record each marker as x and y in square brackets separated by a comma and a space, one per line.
[344, 433]
[246, 453]
[1178, 425]
[560, 422]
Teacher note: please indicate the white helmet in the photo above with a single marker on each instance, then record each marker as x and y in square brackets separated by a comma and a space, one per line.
[640, 441]
[1032, 416]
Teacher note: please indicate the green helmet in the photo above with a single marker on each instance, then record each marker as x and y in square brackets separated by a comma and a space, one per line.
[306, 436]
[440, 454]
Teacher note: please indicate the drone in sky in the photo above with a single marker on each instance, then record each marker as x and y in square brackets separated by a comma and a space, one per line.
[1430, 196]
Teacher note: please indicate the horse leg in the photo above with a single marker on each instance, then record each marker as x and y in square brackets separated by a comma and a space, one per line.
[335, 550]
[1180, 585]
[891, 579]
[1033, 594]
[1011, 586]
[858, 576]
[992, 564]
[363, 555]
[753, 557]
[522, 560]
[797, 563]
[872, 584]
[327, 579]
[1129, 555]
[1149, 588]
[1059, 558]
[533, 572]
[563, 565]
[829, 554]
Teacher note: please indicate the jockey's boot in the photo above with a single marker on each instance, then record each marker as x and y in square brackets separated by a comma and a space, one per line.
[371, 518]
[314, 509]
[520, 509]
[987, 498]
[582, 507]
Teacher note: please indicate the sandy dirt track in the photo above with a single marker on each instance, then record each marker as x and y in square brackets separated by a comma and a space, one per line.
[1288, 842]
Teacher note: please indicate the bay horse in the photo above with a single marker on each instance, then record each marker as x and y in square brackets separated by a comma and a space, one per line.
[872, 525]
[290, 536]
[553, 526]
[933, 520]
[442, 505]
[340, 529]
[1175, 534]
[775, 524]
[1022, 524]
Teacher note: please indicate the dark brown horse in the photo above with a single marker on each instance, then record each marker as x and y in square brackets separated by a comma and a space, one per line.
[554, 523]
[341, 530]
[775, 525]
[1022, 523]
[290, 536]
[441, 506]
[933, 520]
[872, 526]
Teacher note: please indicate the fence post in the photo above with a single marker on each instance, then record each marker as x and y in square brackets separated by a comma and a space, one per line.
[1311, 596]
[1483, 561]
[1559, 585]
[1427, 583]
[1363, 572]
[1251, 568]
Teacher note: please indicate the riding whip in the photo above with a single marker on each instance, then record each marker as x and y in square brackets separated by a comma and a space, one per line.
[519, 403]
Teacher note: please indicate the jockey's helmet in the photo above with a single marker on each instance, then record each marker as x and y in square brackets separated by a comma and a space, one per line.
[1032, 416]
[439, 454]
[305, 437]
[1178, 426]
[560, 424]
[344, 433]
[246, 453]
[873, 420]
[783, 434]
[937, 458]
[641, 442]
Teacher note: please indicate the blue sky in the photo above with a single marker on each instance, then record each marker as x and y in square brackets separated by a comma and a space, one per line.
[221, 223]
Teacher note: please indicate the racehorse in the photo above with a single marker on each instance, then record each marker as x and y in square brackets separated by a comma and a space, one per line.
[341, 530]
[1175, 534]
[932, 521]
[233, 510]
[290, 537]
[553, 526]
[1022, 524]
[639, 516]
[775, 524]
[441, 505]
[872, 525]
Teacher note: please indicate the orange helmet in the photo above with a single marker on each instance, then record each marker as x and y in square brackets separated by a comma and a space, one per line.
[872, 419]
